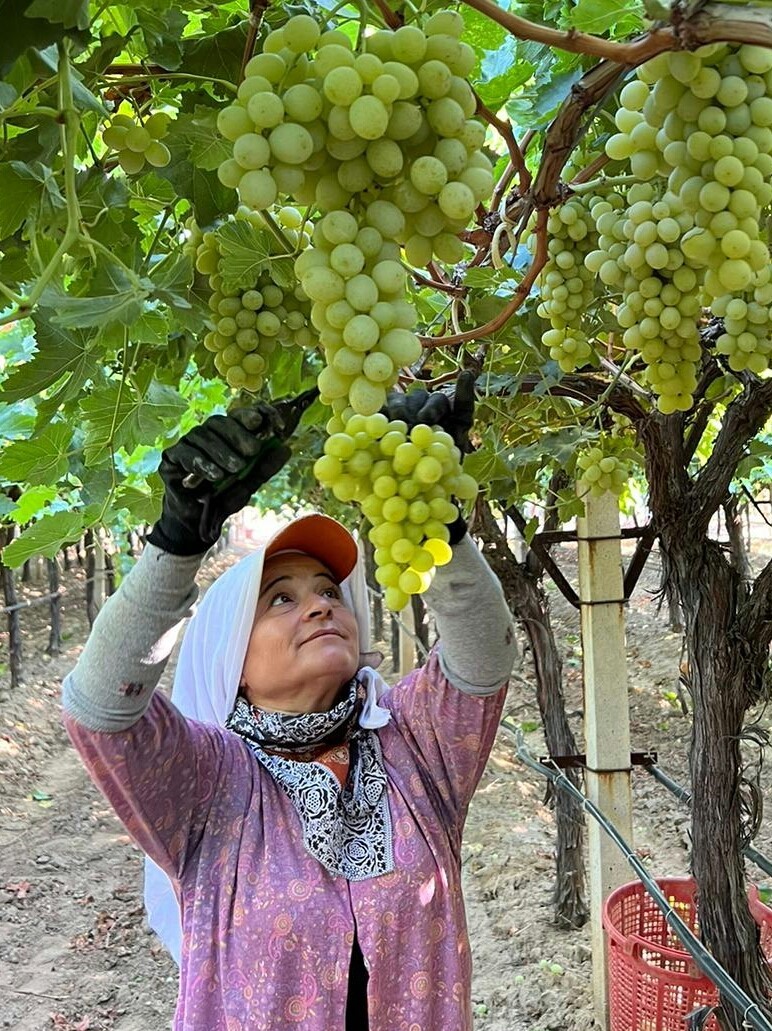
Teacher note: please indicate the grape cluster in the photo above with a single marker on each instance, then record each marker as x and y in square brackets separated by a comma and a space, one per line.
[335, 128]
[704, 121]
[660, 297]
[357, 283]
[599, 470]
[246, 326]
[137, 143]
[404, 482]
[566, 285]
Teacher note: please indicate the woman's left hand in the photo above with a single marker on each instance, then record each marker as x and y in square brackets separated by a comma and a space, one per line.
[453, 412]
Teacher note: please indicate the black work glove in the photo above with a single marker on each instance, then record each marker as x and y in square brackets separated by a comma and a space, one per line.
[453, 413]
[212, 472]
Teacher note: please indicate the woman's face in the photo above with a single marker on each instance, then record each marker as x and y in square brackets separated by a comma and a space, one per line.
[304, 644]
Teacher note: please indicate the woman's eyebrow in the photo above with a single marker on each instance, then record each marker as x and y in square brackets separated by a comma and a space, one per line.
[273, 583]
[268, 586]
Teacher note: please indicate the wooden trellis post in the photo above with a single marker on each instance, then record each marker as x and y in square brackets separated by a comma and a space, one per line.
[606, 716]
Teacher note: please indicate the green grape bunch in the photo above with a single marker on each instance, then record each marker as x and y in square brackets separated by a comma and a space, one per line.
[702, 121]
[599, 470]
[322, 125]
[137, 143]
[357, 283]
[404, 481]
[247, 326]
[566, 284]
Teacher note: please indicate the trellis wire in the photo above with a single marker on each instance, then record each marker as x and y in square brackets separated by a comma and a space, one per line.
[740, 1000]
[685, 796]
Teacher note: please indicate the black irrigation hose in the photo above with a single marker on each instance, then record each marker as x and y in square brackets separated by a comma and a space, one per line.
[712, 969]
[685, 796]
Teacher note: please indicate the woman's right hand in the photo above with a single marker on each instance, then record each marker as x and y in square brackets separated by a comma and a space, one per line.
[213, 471]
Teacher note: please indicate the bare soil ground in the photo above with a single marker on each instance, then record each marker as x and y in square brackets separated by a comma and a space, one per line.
[76, 952]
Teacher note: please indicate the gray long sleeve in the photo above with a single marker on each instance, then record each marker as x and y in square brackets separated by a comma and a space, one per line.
[130, 643]
[477, 649]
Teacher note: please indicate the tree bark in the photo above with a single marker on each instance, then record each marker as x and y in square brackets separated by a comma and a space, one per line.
[92, 607]
[420, 620]
[529, 605]
[55, 633]
[726, 671]
[372, 583]
[14, 625]
[733, 520]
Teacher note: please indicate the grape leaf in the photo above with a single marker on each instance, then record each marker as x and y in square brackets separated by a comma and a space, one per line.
[59, 353]
[244, 252]
[45, 537]
[41, 460]
[197, 132]
[598, 16]
[19, 192]
[218, 56]
[72, 14]
[124, 303]
[32, 502]
[119, 416]
[144, 505]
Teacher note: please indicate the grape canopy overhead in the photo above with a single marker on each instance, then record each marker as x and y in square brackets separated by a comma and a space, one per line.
[201, 204]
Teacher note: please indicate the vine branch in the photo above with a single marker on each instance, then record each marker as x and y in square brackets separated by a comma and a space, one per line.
[504, 129]
[520, 294]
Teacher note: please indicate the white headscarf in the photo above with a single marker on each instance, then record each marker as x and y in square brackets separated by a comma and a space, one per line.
[206, 683]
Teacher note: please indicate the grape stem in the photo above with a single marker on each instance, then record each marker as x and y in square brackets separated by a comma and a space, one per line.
[504, 129]
[520, 294]
[69, 128]
[257, 9]
[156, 72]
[430, 384]
[591, 170]
[276, 232]
[392, 19]
[436, 284]
[603, 182]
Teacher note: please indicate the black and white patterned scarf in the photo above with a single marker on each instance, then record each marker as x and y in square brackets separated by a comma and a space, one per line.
[347, 829]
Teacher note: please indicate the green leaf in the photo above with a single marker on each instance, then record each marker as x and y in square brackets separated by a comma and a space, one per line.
[59, 353]
[123, 304]
[486, 465]
[45, 537]
[8, 94]
[163, 32]
[244, 253]
[599, 16]
[82, 96]
[197, 132]
[119, 416]
[144, 505]
[32, 502]
[72, 14]
[18, 193]
[218, 56]
[40, 460]
[16, 420]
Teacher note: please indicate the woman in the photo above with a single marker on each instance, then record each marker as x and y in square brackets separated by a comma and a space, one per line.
[314, 841]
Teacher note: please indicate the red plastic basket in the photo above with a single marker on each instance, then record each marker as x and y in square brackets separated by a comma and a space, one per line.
[653, 982]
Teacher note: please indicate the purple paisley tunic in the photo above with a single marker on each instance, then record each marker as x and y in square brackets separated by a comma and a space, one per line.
[267, 931]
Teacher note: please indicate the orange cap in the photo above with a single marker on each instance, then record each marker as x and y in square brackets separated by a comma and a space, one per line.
[322, 538]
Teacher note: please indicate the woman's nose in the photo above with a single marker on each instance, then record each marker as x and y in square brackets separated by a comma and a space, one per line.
[318, 606]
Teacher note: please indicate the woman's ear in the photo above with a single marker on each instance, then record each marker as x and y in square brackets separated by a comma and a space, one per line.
[373, 659]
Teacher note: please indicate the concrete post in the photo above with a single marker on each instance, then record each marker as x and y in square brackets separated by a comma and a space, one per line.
[606, 716]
